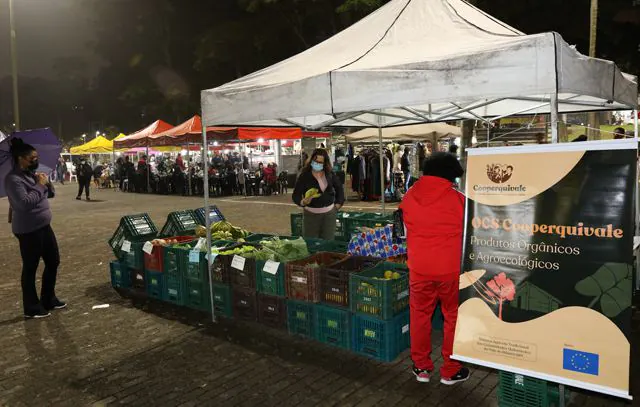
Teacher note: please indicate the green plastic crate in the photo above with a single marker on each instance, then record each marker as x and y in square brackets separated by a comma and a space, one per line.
[367, 220]
[372, 295]
[301, 318]
[515, 390]
[296, 224]
[268, 283]
[174, 259]
[333, 326]
[215, 215]
[120, 276]
[155, 284]
[174, 288]
[134, 228]
[134, 258]
[222, 300]
[180, 223]
[381, 340]
[320, 245]
[197, 295]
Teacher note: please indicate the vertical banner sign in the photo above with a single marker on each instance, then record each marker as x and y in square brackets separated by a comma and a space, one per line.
[546, 284]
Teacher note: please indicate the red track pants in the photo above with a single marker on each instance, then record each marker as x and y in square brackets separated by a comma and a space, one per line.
[423, 298]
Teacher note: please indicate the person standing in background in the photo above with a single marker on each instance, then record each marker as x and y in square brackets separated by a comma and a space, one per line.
[61, 169]
[28, 193]
[405, 167]
[320, 212]
[84, 173]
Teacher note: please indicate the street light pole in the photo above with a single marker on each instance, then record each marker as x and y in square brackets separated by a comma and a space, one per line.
[14, 68]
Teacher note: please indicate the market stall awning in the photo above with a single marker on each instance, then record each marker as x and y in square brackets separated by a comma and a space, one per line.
[98, 145]
[141, 137]
[416, 61]
[191, 132]
[416, 132]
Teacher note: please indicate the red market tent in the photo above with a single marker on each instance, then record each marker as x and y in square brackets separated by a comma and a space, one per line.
[141, 137]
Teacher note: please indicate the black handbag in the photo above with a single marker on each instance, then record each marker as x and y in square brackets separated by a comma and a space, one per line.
[398, 225]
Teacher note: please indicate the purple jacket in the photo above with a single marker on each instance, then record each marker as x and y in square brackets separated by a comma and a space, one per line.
[28, 200]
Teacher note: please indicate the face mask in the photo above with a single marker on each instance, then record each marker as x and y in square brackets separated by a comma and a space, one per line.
[317, 167]
[34, 165]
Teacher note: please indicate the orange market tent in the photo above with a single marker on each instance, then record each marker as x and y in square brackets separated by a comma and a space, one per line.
[191, 132]
[141, 137]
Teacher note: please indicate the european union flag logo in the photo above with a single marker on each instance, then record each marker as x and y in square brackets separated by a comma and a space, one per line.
[581, 362]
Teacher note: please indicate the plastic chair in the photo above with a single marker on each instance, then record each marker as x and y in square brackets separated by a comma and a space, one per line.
[72, 176]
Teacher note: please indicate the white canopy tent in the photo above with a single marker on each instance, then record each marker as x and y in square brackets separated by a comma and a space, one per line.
[415, 61]
[416, 132]
[421, 61]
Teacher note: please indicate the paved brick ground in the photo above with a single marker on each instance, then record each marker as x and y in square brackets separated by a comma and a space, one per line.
[146, 353]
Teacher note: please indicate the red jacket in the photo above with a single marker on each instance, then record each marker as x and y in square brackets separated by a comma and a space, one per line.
[433, 213]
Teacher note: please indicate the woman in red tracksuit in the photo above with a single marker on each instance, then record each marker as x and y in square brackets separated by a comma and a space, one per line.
[433, 213]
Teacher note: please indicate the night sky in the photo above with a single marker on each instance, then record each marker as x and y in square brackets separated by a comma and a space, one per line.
[46, 30]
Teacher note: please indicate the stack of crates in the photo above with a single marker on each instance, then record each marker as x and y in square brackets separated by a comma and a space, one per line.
[127, 243]
[173, 268]
[272, 304]
[379, 300]
[302, 287]
[180, 223]
[333, 316]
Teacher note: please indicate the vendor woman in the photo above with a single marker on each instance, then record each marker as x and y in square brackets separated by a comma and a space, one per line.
[320, 208]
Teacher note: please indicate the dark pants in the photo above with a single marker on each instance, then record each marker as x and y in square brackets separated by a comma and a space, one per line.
[84, 184]
[33, 246]
[320, 225]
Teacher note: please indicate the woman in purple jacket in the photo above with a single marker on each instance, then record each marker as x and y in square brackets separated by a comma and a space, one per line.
[28, 194]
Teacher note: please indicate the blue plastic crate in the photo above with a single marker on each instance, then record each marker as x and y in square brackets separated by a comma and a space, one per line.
[120, 276]
[333, 326]
[381, 340]
[301, 318]
[155, 284]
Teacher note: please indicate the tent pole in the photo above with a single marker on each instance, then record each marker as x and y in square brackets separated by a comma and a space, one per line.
[635, 123]
[148, 169]
[189, 169]
[381, 163]
[207, 211]
[553, 104]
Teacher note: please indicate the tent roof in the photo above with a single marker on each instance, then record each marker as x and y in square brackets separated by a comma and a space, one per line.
[140, 138]
[415, 61]
[95, 146]
[416, 132]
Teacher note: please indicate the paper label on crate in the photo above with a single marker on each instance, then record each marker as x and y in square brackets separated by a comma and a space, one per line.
[301, 280]
[271, 267]
[238, 262]
[126, 246]
[147, 248]
[405, 329]
[194, 256]
[173, 292]
[403, 294]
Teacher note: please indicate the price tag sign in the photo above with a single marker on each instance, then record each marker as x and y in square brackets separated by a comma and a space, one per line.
[271, 267]
[147, 248]
[238, 262]
[126, 246]
[194, 256]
